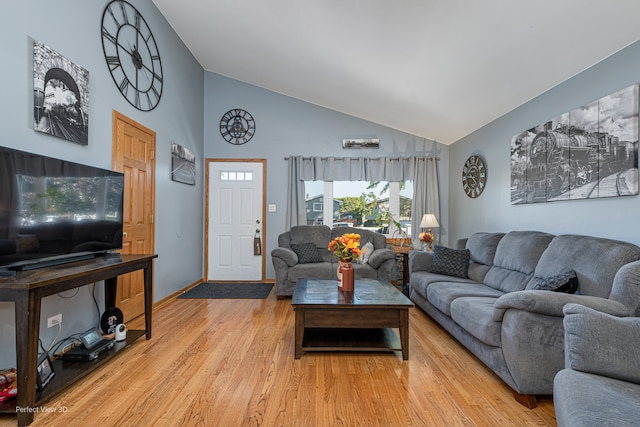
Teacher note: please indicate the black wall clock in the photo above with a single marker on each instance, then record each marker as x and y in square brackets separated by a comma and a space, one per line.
[237, 126]
[474, 176]
[132, 55]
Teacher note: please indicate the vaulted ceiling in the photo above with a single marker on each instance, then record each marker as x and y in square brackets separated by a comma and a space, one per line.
[438, 69]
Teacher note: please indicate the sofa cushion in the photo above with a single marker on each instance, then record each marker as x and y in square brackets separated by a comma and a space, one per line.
[482, 248]
[595, 261]
[319, 235]
[307, 252]
[451, 262]
[441, 294]
[420, 280]
[516, 257]
[475, 315]
[318, 270]
[563, 282]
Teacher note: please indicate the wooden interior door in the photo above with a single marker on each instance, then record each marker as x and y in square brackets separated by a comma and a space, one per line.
[134, 154]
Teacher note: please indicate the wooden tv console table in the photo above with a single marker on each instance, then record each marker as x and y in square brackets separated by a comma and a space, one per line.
[26, 290]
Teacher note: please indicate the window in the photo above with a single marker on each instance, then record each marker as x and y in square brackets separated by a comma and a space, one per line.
[236, 176]
[359, 203]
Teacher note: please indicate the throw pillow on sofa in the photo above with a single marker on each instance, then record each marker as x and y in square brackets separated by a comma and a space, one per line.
[564, 282]
[451, 262]
[365, 252]
[307, 253]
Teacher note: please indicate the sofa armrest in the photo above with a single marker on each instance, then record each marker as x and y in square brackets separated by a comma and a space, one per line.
[420, 261]
[379, 256]
[285, 254]
[551, 303]
[601, 344]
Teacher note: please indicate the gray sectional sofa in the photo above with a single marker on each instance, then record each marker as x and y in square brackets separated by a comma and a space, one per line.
[600, 385]
[320, 263]
[496, 314]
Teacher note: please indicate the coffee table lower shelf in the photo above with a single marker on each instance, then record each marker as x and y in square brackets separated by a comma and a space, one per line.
[350, 339]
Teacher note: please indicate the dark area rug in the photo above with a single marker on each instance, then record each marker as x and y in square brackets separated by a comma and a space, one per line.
[229, 291]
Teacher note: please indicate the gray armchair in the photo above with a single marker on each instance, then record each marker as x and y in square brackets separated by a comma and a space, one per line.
[600, 385]
[286, 262]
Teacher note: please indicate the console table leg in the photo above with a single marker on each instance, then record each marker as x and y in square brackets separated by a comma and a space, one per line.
[27, 314]
[148, 298]
[110, 289]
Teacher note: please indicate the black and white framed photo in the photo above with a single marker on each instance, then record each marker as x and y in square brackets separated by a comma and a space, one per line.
[586, 153]
[183, 164]
[61, 96]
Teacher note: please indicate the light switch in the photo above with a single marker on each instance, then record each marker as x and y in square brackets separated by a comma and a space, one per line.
[272, 208]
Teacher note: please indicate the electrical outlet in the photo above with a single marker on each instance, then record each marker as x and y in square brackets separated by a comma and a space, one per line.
[54, 320]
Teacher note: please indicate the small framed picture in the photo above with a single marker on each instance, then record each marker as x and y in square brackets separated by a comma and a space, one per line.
[183, 164]
[45, 372]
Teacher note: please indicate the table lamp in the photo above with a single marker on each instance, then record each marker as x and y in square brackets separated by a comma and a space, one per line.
[429, 221]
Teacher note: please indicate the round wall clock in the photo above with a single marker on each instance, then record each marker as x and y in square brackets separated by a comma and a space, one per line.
[237, 126]
[132, 55]
[474, 176]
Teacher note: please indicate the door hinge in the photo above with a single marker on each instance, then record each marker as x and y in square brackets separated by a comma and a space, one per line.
[152, 155]
[151, 219]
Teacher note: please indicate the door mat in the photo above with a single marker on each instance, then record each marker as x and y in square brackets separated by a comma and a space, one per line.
[229, 291]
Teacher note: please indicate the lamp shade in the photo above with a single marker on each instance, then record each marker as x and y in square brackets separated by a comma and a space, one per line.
[429, 221]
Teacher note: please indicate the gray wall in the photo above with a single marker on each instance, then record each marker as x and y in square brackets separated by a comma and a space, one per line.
[615, 218]
[287, 126]
[72, 28]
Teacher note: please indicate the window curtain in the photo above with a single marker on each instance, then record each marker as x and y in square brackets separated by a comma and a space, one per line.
[419, 169]
[426, 197]
[296, 212]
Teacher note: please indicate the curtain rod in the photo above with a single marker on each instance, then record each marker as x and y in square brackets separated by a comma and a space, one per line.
[391, 158]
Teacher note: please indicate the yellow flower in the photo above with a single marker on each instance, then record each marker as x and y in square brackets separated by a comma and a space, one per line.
[346, 246]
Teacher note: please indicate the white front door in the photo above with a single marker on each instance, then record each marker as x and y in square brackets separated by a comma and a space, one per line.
[235, 217]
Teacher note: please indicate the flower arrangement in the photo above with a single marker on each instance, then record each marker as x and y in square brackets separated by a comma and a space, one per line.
[346, 246]
[426, 237]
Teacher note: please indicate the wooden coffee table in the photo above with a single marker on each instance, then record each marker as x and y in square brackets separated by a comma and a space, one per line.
[330, 320]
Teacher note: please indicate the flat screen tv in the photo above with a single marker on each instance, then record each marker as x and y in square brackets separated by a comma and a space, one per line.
[54, 211]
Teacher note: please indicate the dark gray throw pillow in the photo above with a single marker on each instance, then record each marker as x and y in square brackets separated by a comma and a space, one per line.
[452, 262]
[564, 282]
[307, 253]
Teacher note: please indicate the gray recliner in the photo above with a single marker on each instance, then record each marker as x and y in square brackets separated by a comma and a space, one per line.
[600, 385]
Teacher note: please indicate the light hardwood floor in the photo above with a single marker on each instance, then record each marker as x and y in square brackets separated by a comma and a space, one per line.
[230, 363]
